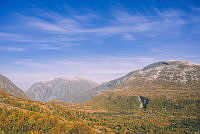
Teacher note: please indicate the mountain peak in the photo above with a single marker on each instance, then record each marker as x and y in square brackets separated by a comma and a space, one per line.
[180, 62]
[157, 64]
[64, 89]
[167, 63]
[169, 74]
[71, 79]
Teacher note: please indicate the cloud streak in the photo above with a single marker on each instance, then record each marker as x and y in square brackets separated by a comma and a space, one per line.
[99, 68]
[121, 22]
[56, 30]
[13, 49]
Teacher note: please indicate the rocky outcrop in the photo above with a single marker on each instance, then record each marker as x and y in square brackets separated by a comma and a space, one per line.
[143, 101]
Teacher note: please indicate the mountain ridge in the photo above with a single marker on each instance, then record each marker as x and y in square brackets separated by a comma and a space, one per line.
[162, 97]
[8, 86]
[60, 88]
[172, 73]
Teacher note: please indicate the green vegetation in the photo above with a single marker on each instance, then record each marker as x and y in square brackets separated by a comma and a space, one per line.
[112, 112]
[118, 112]
[19, 116]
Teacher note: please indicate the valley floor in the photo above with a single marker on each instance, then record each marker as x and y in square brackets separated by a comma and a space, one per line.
[167, 112]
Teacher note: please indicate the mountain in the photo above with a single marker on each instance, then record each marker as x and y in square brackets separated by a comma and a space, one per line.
[9, 87]
[171, 74]
[61, 89]
[163, 97]
[132, 90]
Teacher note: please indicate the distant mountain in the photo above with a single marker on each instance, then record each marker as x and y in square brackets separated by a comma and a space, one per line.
[164, 75]
[9, 87]
[60, 89]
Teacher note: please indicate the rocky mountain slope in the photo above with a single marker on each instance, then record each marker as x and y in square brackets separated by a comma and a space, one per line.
[9, 87]
[61, 89]
[163, 75]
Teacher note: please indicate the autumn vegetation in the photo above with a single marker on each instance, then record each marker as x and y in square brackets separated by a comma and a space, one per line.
[111, 112]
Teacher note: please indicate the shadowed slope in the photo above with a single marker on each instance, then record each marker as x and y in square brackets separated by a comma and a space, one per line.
[9, 87]
[61, 89]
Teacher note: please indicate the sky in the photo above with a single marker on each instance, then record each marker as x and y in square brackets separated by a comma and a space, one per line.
[95, 39]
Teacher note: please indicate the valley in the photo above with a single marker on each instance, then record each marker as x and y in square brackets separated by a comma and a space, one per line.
[163, 97]
[167, 112]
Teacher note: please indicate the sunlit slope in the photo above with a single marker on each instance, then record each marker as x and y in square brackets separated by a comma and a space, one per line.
[160, 98]
[19, 115]
[120, 111]
[162, 75]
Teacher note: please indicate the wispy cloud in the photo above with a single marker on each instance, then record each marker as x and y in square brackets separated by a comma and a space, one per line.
[12, 49]
[52, 31]
[99, 68]
[37, 46]
[121, 22]
[47, 47]
[91, 67]
[14, 37]
[57, 24]
[128, 37]
[48, 26]
[32, 64]
[72, 28]
[54, 47]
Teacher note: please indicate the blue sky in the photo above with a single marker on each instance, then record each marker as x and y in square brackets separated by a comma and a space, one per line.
[94, 39]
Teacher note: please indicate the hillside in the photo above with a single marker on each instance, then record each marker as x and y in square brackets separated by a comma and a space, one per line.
[130, 111]
[162, 97]
[161, 75]
[112, 112]
[9, 87]
[19, 116]
[61, 89]
[125, 111]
